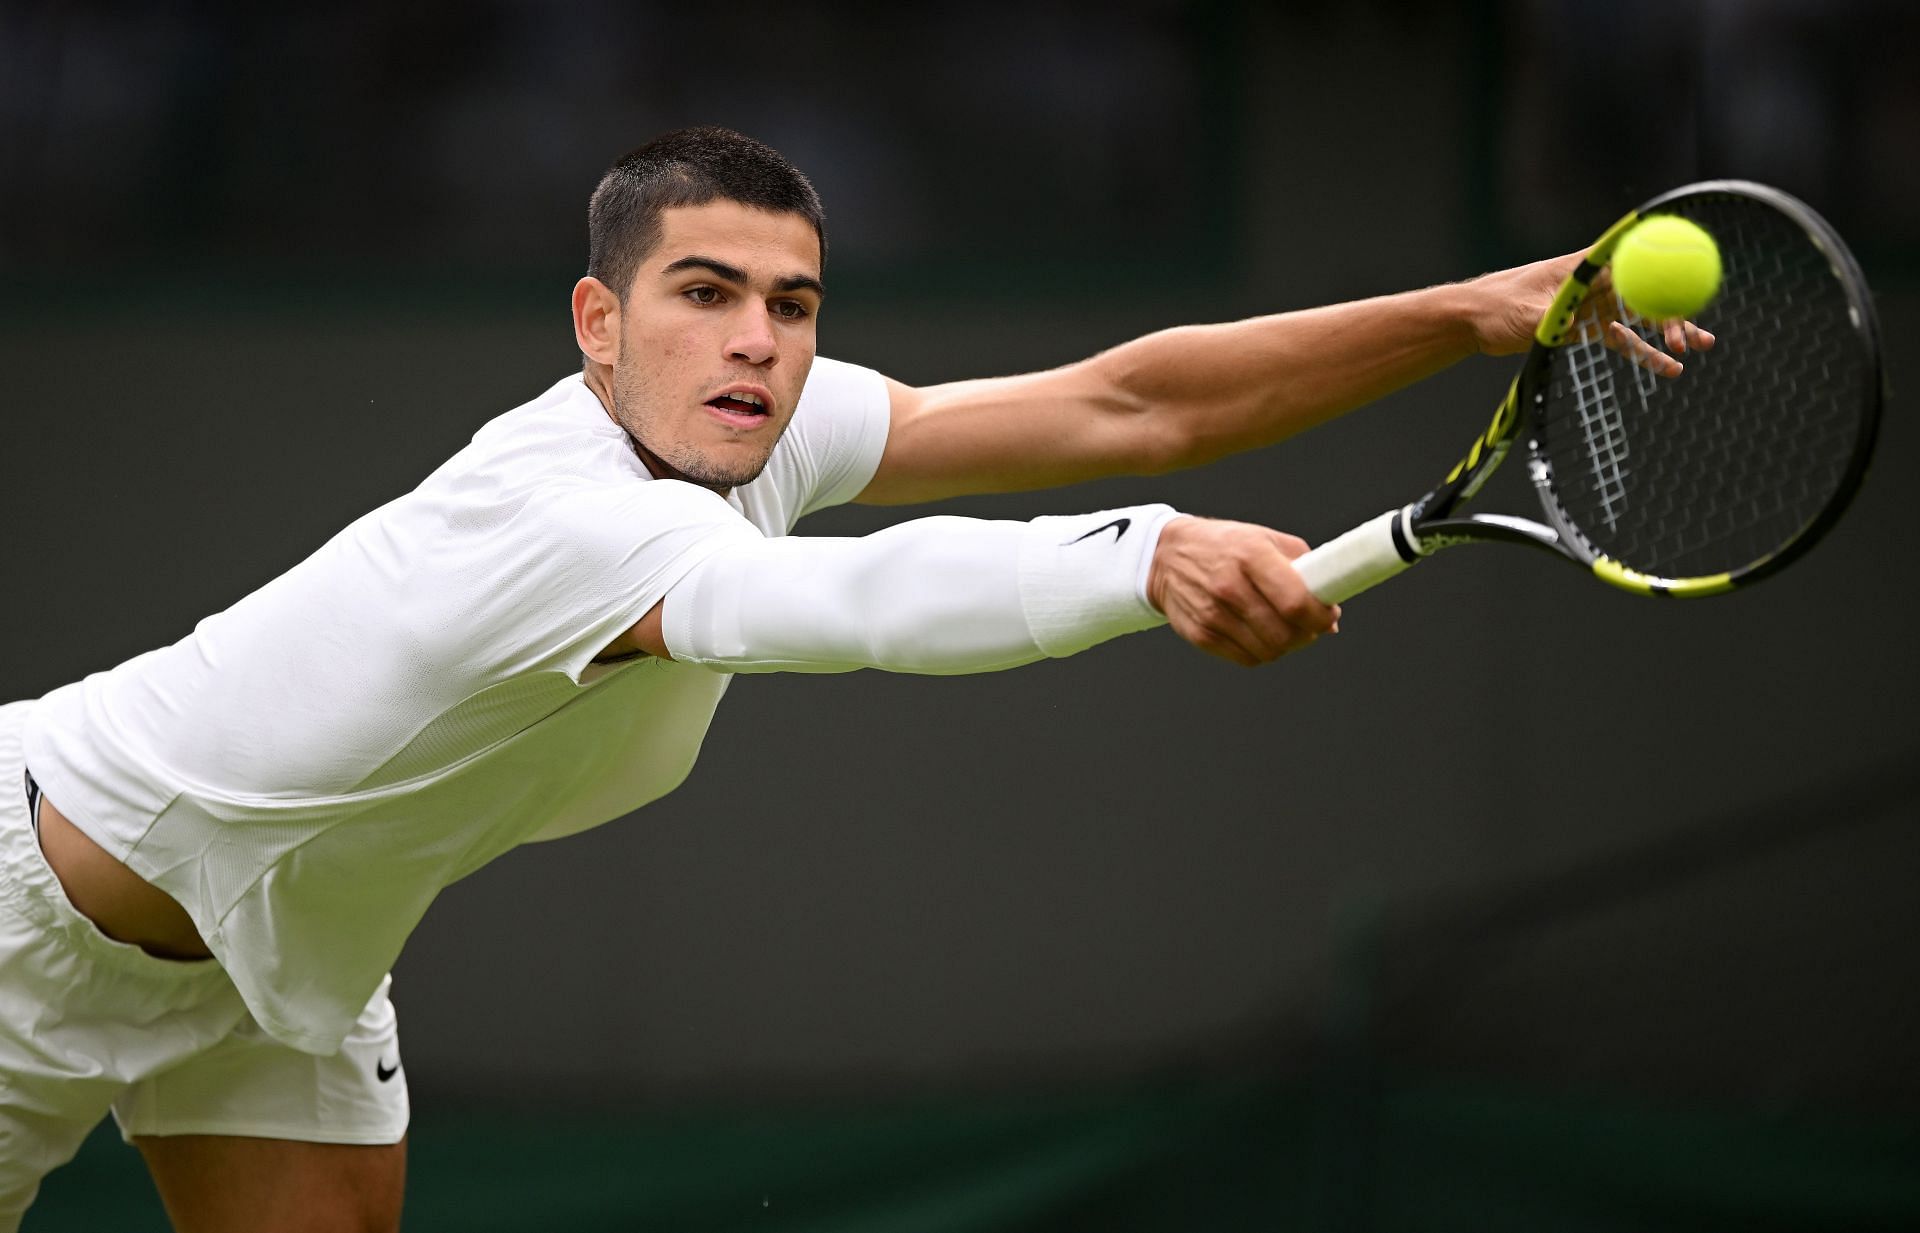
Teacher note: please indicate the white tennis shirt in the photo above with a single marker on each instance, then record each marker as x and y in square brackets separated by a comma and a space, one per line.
[305, 771]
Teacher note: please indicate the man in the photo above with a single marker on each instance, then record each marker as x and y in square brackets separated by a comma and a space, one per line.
[211, 855]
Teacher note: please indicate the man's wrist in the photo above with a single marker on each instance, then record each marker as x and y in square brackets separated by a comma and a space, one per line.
[1082, 578]
[1156, 527]
[1151, 586]
[1464, 312]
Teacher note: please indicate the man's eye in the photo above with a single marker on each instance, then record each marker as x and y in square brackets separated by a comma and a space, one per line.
[791, 310]
[703, 295]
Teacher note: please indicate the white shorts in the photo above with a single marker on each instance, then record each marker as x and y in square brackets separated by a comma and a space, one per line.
[89, 1025]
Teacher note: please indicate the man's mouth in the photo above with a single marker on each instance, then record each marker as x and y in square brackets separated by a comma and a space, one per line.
[740, 406]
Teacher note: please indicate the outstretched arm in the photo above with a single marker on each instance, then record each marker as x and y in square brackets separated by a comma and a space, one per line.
[949, 595]
[1185, 396]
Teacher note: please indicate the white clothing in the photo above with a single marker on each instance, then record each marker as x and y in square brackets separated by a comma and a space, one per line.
[305, 771]
[88, 1024]
[935, 595]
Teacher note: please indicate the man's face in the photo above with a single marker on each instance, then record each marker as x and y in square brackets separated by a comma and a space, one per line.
[716, 340]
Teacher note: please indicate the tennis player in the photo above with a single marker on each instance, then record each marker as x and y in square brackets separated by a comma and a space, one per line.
[211, 855]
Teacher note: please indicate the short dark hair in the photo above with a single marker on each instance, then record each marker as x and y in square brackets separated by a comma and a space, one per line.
[687, 168]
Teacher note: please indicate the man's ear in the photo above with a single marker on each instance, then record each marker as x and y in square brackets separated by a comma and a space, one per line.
[596, 320]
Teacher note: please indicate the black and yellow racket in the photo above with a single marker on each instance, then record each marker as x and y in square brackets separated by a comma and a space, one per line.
[1685, 486]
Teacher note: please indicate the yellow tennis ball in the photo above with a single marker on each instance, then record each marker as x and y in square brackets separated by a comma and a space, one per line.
[1666, 267]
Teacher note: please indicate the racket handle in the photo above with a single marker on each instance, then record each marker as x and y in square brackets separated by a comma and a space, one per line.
[1359, 560]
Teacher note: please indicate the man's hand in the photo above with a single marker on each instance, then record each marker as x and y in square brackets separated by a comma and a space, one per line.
[1510, 304]
[1229, 589]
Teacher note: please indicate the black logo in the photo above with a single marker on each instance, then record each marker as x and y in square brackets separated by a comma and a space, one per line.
[383, 1072]
[1118, 526]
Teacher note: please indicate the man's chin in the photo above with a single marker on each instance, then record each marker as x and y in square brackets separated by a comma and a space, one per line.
[727, 479]
[720, 473]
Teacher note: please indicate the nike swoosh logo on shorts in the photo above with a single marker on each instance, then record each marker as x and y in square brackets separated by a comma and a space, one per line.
[1118, 526]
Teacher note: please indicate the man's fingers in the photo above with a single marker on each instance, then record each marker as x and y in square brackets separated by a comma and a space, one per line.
[1627, 343]
[1219, 634]
[1275, 633]
[1292, 614]
[1684, 336]
[1681, 337]
[1291, 546]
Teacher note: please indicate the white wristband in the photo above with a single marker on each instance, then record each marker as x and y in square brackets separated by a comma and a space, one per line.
[1083, 578]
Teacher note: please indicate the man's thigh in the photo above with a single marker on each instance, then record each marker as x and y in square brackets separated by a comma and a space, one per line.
[229, 1184]
[253, 1134]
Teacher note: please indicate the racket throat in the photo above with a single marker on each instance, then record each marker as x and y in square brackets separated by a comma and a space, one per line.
[1476, 480]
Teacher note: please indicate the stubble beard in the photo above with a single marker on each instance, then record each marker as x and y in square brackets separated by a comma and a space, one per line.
[631, 396]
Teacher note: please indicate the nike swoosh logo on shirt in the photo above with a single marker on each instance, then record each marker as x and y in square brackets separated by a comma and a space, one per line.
[1118, 526]
[383, 1072]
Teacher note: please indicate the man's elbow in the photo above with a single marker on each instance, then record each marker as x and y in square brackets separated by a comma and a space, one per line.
[1165, 436]
[1150, 432]
[1160, 444]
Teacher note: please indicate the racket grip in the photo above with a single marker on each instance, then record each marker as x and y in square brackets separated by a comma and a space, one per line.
[1359, 560]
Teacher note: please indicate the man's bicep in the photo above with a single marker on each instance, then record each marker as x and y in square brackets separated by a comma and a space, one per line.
[1002, 434]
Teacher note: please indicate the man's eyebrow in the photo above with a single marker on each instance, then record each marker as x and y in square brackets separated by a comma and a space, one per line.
[801, 282]
[719, 269]
[734, 274]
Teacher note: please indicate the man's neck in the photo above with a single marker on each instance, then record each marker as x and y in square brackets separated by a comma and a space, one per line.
[598, 379]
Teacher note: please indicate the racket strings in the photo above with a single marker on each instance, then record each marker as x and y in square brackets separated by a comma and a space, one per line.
[1603, 431]
[1723, 466]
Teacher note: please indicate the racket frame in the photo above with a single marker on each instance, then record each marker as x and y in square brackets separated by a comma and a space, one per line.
[1384, 546]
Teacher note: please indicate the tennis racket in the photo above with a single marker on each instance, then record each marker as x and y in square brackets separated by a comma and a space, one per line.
[1685, 486]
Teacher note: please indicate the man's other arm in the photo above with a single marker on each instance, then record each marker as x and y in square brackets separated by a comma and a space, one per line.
[948, 595]
[1189, 395]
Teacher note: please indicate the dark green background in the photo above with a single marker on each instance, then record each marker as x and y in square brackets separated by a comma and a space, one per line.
[1520, 904]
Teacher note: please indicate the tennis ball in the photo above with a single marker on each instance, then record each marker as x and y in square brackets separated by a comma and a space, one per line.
[1666, 267]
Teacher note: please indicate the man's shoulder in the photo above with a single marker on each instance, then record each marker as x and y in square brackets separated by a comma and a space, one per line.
[566, 410]
[838, 387]
[562, 434]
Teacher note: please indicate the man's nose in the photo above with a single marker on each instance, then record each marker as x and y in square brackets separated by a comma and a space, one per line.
[752, 340]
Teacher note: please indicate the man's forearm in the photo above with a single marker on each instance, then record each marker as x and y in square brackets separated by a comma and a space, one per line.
[1213, 390]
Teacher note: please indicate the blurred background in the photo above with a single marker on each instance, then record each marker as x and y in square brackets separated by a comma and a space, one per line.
[1442, 924]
